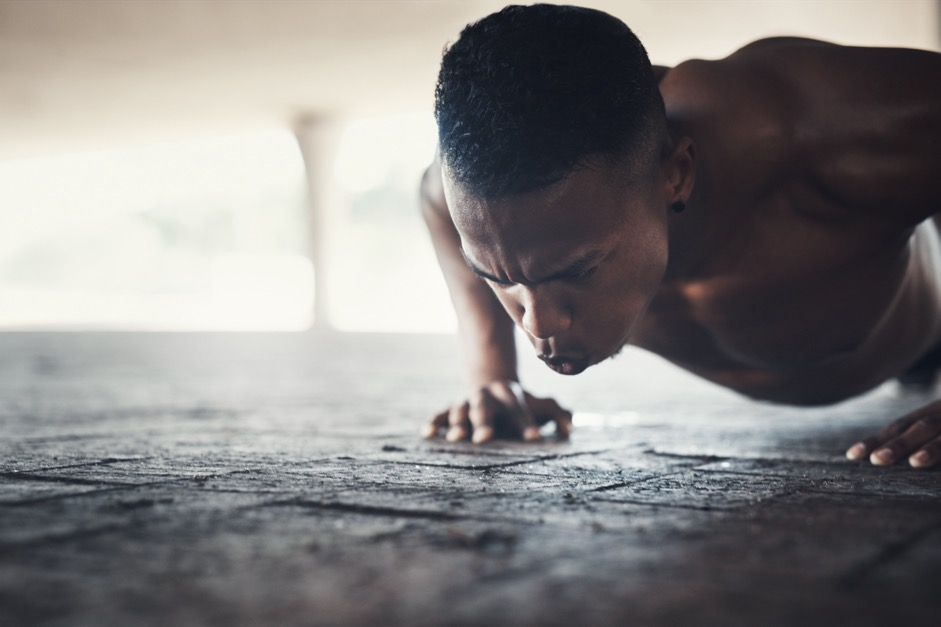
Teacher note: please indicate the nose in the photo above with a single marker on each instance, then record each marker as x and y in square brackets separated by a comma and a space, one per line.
[543, 315]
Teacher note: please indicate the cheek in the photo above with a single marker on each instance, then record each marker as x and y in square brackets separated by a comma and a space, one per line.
[645, 261]
[617, 302]
[650, 274]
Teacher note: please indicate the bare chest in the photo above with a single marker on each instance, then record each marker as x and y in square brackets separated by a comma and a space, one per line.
[783, 300]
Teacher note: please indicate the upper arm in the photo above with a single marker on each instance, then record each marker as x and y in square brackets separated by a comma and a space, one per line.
[433, 202]
[444, 235]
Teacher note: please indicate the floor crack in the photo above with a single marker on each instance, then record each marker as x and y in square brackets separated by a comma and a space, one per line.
[371, 510]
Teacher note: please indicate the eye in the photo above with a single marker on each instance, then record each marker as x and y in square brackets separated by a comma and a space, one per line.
[500, 285]
[581, 275]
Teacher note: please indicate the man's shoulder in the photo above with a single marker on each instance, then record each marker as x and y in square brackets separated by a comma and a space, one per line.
[744, 93]
[812, 66]
[858, 124]
[812, 86]
[805, 62]
[771, 48]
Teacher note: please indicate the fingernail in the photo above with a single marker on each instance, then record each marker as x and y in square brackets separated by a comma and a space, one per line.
[919, 459]
[455, 434]
[482, 434]
[857, 451]
[531, 433]
[882, 457]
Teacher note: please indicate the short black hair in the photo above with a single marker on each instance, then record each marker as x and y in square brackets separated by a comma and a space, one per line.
[527, 94]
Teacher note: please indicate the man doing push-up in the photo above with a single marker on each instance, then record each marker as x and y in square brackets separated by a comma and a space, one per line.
[765, 221]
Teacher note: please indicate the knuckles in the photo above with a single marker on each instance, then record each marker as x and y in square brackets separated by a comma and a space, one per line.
[931, 423]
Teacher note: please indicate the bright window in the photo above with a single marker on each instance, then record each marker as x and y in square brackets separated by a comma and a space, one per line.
[201, 235]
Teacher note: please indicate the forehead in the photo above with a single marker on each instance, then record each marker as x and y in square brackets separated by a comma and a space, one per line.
[584, 207]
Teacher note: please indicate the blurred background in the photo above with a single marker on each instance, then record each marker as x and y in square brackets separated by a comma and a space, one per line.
[239, 165]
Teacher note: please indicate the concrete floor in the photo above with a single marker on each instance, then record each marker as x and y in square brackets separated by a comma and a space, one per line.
[150, 479]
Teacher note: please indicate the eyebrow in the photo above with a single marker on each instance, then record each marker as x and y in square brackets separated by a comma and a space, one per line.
[482, 274]
[573, 268]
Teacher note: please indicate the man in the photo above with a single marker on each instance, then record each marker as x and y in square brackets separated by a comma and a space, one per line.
[764, 221]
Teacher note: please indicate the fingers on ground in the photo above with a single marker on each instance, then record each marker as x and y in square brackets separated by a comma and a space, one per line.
[917, 435]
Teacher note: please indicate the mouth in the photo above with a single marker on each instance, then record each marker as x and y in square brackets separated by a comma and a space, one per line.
[566, 365]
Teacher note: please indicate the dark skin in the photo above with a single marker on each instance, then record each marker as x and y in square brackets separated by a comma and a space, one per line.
[805, 269]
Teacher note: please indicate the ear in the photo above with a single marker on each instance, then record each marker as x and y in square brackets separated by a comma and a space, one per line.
[679, 172]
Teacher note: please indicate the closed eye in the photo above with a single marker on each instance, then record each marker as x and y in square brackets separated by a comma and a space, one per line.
[577, 274]
[574, 275]
[497, 282]
[581, 275]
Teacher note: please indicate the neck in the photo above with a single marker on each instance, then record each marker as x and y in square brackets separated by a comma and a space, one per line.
[687, 235]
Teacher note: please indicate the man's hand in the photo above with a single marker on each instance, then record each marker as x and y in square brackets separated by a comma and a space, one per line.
[916, 435]
[500, 408]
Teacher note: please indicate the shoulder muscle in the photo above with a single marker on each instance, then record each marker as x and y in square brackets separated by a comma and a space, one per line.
[867, 121]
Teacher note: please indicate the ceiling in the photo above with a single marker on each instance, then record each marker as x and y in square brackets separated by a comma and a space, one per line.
[80, 75]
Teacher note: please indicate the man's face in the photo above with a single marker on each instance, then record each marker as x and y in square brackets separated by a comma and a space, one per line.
[575, 264]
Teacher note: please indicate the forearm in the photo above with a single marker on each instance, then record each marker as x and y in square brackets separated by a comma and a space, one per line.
[485, 328]
[486, 334]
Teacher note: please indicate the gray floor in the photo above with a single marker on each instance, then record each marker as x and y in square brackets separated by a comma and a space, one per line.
[278, 480]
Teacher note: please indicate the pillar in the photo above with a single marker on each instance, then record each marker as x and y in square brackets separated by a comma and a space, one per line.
[318, 139]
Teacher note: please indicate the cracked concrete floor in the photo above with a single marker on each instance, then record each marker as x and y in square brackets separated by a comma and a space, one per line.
[253, 479]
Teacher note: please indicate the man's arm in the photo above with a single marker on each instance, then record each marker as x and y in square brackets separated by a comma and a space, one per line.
[495, 400]
[892, 123]
[866, 126]
[486, 330]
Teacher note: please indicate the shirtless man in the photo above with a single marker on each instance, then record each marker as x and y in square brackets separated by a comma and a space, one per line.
[769, 229]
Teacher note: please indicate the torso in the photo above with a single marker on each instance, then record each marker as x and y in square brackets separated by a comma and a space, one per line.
[787, 283]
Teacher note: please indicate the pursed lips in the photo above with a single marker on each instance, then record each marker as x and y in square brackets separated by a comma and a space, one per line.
[565, 365]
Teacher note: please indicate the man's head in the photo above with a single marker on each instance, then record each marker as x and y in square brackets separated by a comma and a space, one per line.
[526, 95]
[559, 171]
